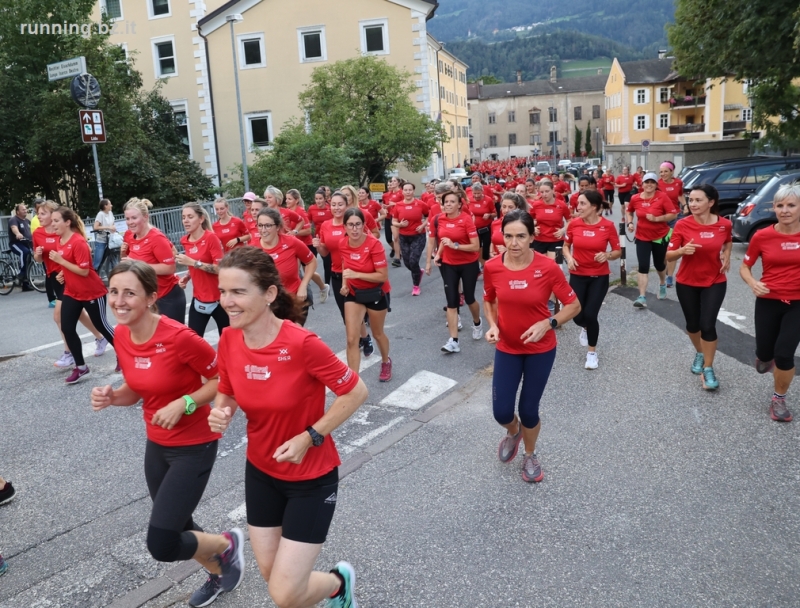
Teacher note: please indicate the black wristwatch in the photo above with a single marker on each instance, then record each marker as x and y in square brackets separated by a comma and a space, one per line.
[553, 322]
[316, 438]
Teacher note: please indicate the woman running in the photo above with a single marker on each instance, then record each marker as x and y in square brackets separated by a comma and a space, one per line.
[410, 218]
[517, 287]
[653, 211]
[365, 275]
[777, 313]
[509, 202]
[351, 194]
[704, 241]
[288, 252]
[609, 183]
[552, 217]
[292, 221]
[46, 240]
[319, 213]
[368, 205]
[391, 197]
[147, 244]
[457, 258]
[625, 183]
[103, 228]
[255, 208]
[277, 372]
[247, 217]
[586, 250]
[202, 251]
[230, 230]
[83, 288]
[483, 212]
[294, 202]
[164, 364]
[673, 188]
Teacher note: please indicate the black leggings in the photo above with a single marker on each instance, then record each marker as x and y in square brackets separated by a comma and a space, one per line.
[176, 478]
[609, 195]
[387, 231]
[336, 286]
[71, 313]
[700, 308]
[198, 321]
[591, 291]
[173, 304]
[644, 249]
[485, 242]
[452, 274]
[326, 263]
[777, 331]
[411, 248]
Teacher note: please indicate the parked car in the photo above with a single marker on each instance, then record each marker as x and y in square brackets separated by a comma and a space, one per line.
[457, 173]
[542, 167]
[735, 179]
[755, 212]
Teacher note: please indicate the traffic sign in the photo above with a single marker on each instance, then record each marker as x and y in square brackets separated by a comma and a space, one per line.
[377, 187]
[93, 129]
[67, 68]
[645, 145]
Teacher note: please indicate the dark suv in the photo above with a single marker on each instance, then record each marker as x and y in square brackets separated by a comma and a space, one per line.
[735, 179]
[756, 211]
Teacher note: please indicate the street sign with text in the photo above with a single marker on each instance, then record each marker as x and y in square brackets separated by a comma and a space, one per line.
[66, 69]
[93, 129]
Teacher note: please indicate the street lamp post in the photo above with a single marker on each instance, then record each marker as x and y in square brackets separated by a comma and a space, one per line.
[235, 18]
[597, 142]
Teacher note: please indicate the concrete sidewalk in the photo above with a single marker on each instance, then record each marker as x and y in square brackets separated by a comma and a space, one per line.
[655, 492]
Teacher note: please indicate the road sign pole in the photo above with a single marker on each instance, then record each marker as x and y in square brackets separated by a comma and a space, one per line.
[97, 171]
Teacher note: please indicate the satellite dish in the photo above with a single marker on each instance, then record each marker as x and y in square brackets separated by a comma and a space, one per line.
[85, 91]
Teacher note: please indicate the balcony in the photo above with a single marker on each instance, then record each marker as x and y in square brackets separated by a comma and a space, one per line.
[682, 129]
[733, 126]
[680, 102]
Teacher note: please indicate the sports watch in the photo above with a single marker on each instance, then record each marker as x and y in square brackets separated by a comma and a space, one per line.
[316, 438]
[198, 264]
[191, 406]
[553, 322]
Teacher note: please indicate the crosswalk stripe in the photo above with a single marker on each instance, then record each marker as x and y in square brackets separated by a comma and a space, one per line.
[362, 441]
[421, 388]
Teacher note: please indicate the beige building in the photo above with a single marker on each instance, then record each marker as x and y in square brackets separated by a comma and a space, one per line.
[536, 117]
[448, 94]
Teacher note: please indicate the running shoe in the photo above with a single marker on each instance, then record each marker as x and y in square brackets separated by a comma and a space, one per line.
[346, 597]
[52, 304]
[207, 593]
[669, 281]
[3, 565]
[231, 562]
[531, 469]
[477, 331]
[396, 263]
[507, 450]
[65, 360]
[366, 346]
[324, 293]
[779, 411]
[7, 494]
[76, 375]
[710, 382]
[416, 290]
[697, 364]
[591, 360]
[386, 371]
[584, 337]
[100, 347]
[662, 292]
[640, 302]
[451, 347]
[460, 326]
[391, 252]
[764, 367]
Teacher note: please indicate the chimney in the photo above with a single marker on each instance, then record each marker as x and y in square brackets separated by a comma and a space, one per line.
[553, 73]
[599, 71]
[662, 53]
[519, 76]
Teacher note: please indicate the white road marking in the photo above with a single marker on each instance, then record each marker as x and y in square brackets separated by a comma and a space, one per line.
[421, 388]
[361, 442]
[366, 362]
[726, 316]
[239, 513]
[36, 349]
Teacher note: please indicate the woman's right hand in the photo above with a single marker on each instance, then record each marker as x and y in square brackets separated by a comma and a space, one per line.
[493, 335]
[315, 242]
[630, 227]
[123, 249]
[39, 251]
[101, 397]
[759, 289]
[231, 244]
[428, 267]
[572, 265]
[219, 419]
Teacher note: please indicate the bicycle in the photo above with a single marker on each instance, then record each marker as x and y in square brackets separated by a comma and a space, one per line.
[34, 272]
[110, 259]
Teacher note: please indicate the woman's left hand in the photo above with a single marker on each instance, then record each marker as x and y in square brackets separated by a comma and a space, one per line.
[726, 264]
[536, 332]
[348, 273]
[302, 292]
[184, 260]
[294, 450]
[344, 290]
[56, 257]
[601, 257]
[559, 234]
[169, 415]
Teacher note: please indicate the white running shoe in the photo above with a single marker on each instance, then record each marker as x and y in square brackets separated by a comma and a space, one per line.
[323, 294]
[100, 347]
[584, 337]
[451, 347]
[591, 360]
[477, 331]
[460, 326]
[66, 360]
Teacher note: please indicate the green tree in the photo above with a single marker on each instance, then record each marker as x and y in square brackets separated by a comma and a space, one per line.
[588, 138]
[364, 105]
[487, 79]
[746, 40]
[578, 140]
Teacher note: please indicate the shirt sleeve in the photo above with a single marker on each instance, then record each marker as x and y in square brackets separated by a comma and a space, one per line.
[215, 248]
[224, 385]
[568, 235]
[489, 291]
[302, 252]
[754, 250]
[561, 287]
[677, 239]
[378, 255]
[669, 206]
[81, 253]
[198, 354]
[469, 226]
[565, 212]
[728, 232]
[322, 364]
[162, 250]
[613, 238]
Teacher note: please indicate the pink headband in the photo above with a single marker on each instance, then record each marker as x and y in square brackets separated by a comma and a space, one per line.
[668, 165]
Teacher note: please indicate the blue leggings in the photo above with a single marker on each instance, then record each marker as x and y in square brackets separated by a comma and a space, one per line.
[509, 370]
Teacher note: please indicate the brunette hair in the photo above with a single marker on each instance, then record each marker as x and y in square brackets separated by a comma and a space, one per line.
[412, 184]
[75, 222]
[144, 273]
[351, 211]
[713, 195]
[103, 203]
[456, 194]
[517, 215]
[201, 213]
[272, 214]
[263, 272]
[365, 189]
[518, 200]
[596, 200]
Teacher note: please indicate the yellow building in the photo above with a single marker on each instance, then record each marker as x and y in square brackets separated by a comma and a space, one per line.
[448, 94]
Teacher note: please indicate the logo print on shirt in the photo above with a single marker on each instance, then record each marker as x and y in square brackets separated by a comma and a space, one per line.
[348, 374]
[518, 284]
[537, 274]
[588, 233]
[706, 235]
[283, 355]
[790, 246]
[142, 362]
[254, 372]
[355, 256]
[160, 348]
[193, 249]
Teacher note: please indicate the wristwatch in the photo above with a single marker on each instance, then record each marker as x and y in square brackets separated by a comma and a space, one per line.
[455, 245]
[316, 438]
[191, 406]
[198, 264]
[553, 322]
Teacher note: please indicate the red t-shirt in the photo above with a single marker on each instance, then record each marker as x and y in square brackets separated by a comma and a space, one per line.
[290, 219]
[250, 223]
[167, 366]
[235, 228]
[428, 198]
[434, 210]
[479, 208]
[587, 240]
[522, 297]
[780, 261]
[368, 257]
[305, 239]
[389, 201]
[573, 202]
[153, 248]
[703, 267]
[319, 215]
[607, 182]
[562, 187]
[674, 190]
[369, 223]
[659, 205]
[637, 179]
[206, 249]
[76, 251]
[497, 233]
[373, 207]
[460, 230]
[624, 183]
[550, 218]
[281, 390]
[49, 242]
[413, 212]
[286, 254]
[331, 236]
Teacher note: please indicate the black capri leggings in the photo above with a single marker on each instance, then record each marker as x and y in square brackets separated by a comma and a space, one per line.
[645, 249]
[336, 286]
[591, 291]
[326, 263]
[176, 479]
[700, 308]
[71, 313]
[777, 331]
[467, 274]
[173, 304]
[485, 241]
[198, 321]
[411, 248]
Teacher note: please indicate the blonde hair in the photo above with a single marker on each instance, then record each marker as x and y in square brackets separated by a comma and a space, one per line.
[224, 201]
[141, 204]
[352, 191]
[49, 205]
[297, 196]
[205, 222]
[276, 193]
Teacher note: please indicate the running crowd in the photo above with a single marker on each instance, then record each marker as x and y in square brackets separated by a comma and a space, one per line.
[252, 275]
